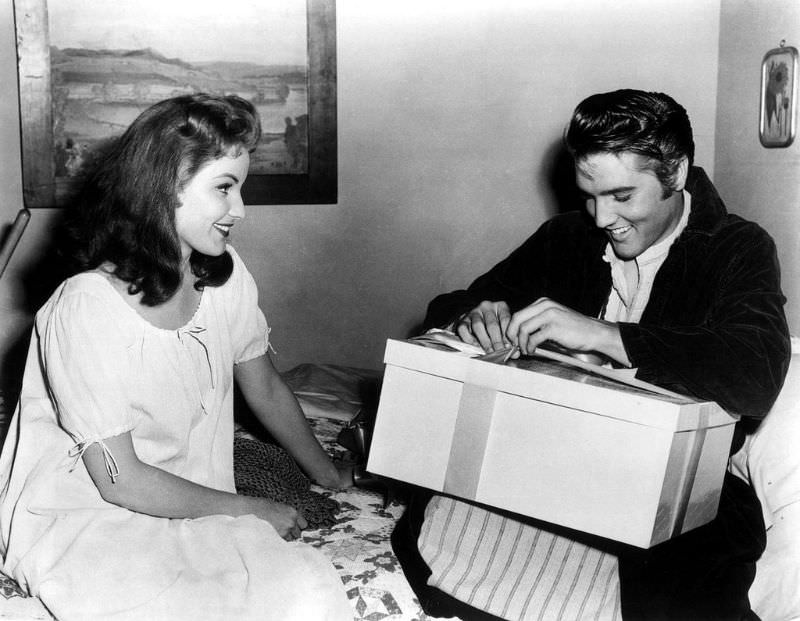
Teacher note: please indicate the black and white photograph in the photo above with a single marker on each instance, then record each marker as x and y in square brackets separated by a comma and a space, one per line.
[367, 310]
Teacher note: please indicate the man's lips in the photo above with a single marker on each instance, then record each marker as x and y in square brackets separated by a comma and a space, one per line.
[619, 232]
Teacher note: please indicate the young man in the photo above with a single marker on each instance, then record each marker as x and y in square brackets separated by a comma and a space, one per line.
[652, 273]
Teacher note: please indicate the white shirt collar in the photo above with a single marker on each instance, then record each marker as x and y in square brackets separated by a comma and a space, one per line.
[632, 280]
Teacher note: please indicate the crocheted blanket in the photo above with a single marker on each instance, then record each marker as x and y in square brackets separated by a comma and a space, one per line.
[267, 471]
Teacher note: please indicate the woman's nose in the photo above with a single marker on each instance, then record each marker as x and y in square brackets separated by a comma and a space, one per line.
[237, 207]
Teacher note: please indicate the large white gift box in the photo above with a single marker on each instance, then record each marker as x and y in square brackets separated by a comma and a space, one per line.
[549, 441]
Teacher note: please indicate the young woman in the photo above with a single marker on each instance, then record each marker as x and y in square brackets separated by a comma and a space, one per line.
[118, 497]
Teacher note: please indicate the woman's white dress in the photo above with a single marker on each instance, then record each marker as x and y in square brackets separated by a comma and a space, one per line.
[96, 369]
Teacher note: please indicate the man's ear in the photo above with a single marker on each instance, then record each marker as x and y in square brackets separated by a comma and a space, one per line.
[681, 173]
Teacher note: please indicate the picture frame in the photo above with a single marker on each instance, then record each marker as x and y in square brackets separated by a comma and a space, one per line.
[45, 184]
[778, 106]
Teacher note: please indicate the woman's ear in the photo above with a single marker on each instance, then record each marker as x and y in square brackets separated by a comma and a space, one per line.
[681, 173]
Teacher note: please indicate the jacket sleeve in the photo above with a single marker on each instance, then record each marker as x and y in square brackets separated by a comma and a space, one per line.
[554, 262]
[733, 346]
[511, 281]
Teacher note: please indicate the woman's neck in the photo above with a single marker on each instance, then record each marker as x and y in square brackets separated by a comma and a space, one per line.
[172, 314]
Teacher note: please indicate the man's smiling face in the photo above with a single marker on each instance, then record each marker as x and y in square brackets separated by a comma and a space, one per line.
[628, 201]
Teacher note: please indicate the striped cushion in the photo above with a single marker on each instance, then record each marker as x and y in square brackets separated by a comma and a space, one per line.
[513, 570]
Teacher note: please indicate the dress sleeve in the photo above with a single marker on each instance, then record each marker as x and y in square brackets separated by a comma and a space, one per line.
[86, 364]
[248, 326]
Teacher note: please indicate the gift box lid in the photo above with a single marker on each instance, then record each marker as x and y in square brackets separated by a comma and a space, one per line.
[553, 382]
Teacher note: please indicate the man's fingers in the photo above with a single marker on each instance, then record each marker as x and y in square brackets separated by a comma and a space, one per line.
[478, 324]
[532, 310]
[504, 317]
[494, 331]
[464, 332]
[526, 334]
[485, 325]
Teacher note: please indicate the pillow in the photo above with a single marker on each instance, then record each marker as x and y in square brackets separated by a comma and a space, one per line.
[773, 453]
[770, 461]
[775, 592]
[332, 391]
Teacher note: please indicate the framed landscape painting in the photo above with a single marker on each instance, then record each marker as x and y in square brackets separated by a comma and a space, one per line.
[87, 68]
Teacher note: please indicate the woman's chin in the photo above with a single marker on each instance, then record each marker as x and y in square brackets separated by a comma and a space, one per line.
[214, 250]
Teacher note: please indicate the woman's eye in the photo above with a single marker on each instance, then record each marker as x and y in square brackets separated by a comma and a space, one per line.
[224, 188]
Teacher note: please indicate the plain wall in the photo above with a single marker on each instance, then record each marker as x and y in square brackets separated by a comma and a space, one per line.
[758, 183]
[450, 115]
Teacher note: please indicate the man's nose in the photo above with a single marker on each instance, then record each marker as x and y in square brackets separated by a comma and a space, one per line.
[604, 214]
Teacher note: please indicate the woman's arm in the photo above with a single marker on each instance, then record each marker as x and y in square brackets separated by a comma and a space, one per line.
[147, 489]
[277, 409]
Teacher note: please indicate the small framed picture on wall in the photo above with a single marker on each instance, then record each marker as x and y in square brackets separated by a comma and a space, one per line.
[778, 113]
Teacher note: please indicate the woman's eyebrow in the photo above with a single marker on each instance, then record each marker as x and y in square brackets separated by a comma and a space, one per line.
[229, 176]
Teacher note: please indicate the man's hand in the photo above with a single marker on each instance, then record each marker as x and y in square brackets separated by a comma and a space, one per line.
[485, 325]
[546, 320]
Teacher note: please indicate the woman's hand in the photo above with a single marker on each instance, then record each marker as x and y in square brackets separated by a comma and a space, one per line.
[340, 478]
[485, 325]
[287, 520]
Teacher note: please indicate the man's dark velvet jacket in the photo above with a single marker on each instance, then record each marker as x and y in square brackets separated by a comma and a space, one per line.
[714, 326]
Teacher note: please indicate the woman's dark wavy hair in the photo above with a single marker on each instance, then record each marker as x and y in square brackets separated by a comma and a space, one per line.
[125, 212]
[649, 124]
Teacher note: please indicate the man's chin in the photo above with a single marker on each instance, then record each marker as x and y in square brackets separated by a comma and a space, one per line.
[625, 251]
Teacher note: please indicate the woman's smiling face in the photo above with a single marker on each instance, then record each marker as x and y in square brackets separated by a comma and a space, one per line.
[628, 201]
[210, 204]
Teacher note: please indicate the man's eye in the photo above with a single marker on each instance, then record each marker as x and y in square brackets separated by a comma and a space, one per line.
[622, 198]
